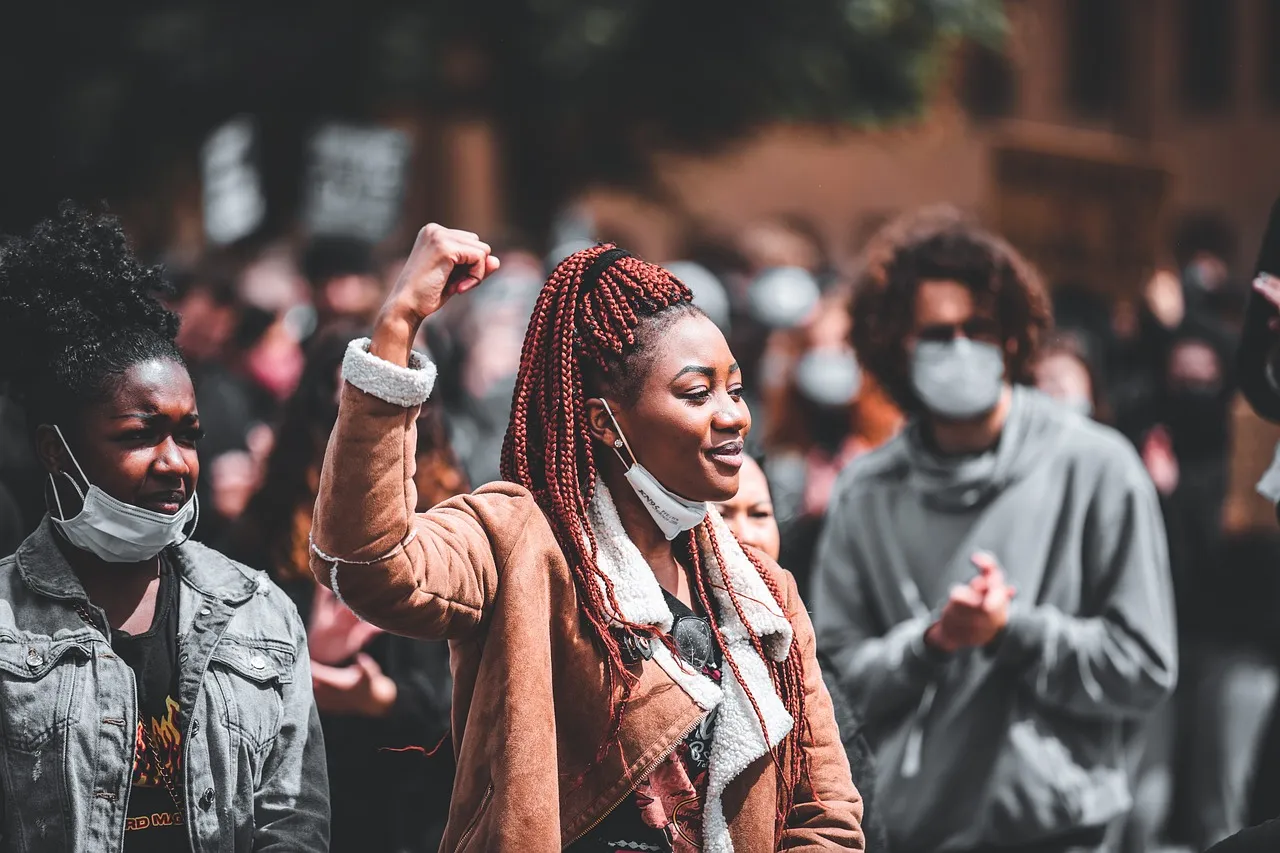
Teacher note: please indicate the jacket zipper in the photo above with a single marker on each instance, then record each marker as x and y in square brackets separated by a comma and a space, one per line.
[639, 778]
[475, 821]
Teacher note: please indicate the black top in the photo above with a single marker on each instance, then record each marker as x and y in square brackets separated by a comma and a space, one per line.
[155, 822]
[664, 813]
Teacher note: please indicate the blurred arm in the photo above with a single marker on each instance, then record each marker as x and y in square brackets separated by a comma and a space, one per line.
[1121, 662]
[882, 670]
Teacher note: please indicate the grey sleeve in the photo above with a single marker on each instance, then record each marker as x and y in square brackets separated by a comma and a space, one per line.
[881, 669]
[1118, 659]
[291, 803]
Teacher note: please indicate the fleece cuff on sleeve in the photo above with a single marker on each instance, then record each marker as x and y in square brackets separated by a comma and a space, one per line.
[1023, 639]
[401, 386]
[910, 652]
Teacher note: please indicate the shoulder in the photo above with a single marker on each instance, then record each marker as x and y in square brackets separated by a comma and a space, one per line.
[779, 580]
[887, 463]
[507, 512]
[258, 599]
[1099, 451]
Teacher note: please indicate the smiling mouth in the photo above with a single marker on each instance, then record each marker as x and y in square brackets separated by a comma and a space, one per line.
[728, 454]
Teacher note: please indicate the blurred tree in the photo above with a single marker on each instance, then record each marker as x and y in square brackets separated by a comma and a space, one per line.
[582, 90]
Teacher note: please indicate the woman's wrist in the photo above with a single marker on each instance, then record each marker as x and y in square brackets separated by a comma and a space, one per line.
[393, 335]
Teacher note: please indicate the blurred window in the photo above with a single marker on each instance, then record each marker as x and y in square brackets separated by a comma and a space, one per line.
[1206, 62]
[988, 86]
[1097, 70]
[1270, 51]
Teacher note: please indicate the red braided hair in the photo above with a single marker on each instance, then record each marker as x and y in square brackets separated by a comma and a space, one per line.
[579, 325]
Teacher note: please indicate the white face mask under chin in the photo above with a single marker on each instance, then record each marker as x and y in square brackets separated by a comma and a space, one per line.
[672, 513]
[115, 531]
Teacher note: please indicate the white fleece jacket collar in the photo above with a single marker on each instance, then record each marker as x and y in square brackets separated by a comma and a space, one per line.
[738, 739]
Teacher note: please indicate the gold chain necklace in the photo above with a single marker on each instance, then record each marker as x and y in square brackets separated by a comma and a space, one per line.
[146, 731]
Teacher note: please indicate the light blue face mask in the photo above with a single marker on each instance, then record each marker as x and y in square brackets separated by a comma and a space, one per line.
[672, 513]
[960, 379]
[115, 531]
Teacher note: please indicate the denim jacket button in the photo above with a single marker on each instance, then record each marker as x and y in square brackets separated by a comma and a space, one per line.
[204, 611]
[195, 728]
[33, 658]
[206, 800]
[258, 663]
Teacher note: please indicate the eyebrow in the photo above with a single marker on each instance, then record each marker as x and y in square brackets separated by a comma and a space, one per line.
[152, 417]
[708, 372]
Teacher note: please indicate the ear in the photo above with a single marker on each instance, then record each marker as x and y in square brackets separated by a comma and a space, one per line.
[50, 451]
[599, 423]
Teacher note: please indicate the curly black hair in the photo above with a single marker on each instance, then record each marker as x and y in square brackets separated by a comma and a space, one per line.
[940, 244]
[77, 310]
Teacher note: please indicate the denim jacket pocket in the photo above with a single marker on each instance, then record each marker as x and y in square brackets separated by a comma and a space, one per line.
[251, 675]
[37, 690]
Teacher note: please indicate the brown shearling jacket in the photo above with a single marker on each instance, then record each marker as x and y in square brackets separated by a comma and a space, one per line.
[531, 705]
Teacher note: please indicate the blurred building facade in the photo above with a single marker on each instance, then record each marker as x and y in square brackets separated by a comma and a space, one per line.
[1100, 126]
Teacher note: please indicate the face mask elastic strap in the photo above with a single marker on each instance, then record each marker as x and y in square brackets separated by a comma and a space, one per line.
[625, 443]
[195, 521]
[57, 499]
[74, 461]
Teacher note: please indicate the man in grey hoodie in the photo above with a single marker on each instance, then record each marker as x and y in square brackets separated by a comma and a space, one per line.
[999, 723]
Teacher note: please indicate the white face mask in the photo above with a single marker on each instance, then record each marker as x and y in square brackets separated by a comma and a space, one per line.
[829, 376]
[672, 513]
[958, 379]
[115, 531]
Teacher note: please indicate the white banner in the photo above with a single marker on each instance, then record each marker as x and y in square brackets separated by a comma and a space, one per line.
[355, 181]
[234, 204]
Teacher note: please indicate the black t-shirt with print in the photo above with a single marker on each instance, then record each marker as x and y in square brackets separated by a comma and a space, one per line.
[664, 813]
[155, 824]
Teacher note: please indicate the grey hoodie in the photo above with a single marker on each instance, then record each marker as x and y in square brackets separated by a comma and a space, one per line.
[1025, 740]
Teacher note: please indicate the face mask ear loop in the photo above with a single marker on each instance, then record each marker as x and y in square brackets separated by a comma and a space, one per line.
[625, 443]
[195, 521]
[57, 499]
[74, 462]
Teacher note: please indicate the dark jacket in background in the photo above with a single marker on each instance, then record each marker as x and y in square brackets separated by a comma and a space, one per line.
[387, 792]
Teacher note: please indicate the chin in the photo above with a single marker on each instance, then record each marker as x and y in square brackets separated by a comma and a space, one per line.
[719, 488]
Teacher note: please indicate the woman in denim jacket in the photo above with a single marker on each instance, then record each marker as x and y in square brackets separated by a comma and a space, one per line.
[154, 695]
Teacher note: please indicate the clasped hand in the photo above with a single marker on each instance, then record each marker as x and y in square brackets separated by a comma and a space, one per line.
[976, 612]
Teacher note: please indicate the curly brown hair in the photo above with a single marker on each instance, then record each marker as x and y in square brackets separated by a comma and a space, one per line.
[940, 244]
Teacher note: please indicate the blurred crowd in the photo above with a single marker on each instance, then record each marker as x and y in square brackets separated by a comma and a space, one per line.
[265, 335]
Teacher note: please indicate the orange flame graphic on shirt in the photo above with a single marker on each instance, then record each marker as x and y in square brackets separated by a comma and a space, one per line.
[167, 739]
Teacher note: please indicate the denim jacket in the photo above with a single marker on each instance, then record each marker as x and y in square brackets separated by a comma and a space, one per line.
[253, 754]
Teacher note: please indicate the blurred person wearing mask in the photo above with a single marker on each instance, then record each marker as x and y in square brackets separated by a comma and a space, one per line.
[381, 697]
[783, 271]
[822, 417]
[1204, 245]
[154, 694]
[998, 724]
[749, 516]
[345, 280]
[1066, 374]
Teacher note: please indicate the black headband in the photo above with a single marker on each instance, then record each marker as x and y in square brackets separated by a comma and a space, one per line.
[603, 261]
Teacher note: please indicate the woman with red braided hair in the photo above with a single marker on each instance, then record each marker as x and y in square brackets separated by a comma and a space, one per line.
[626, 675]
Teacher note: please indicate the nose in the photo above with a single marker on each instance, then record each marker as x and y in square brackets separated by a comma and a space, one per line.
[170, 461]
[732, 416]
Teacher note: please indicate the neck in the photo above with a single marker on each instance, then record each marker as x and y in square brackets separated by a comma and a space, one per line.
[115, 587]
[961, 438]
[644, 532]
